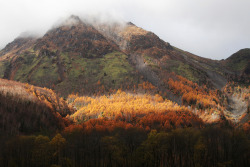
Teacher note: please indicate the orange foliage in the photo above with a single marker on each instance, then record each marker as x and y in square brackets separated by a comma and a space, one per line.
[146, 86]
[50, 98]
[121, 103]
[246, 127]
[142, 111]
[192, 94]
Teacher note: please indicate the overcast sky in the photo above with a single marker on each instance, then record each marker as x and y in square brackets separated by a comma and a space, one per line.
[209, 28]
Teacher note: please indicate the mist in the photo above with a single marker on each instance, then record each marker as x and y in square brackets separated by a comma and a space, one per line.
[210, 28]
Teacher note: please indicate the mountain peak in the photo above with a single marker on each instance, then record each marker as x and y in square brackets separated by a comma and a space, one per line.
[72, 20]
[74, 17]
[130, 24]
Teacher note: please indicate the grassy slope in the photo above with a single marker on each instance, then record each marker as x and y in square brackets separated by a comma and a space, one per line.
[176, 66]
[184, 70]
[112, 70]
[2, 68]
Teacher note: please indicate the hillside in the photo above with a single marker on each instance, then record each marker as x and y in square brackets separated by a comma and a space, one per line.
[155, 57]
[239, 61]
[26, 109]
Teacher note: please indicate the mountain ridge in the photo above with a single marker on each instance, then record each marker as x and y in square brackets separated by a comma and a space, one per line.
[74, 41]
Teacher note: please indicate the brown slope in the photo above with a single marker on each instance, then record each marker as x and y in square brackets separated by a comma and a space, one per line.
[19, 45]
[75, 36]
[26, 109]
[133, 39]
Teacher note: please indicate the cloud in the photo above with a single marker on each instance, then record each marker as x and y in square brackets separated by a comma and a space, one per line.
[208, 28]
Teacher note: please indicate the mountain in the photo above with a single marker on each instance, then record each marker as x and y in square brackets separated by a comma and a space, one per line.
[80, 55]
[115, 94]
[91, 56]
[94, 57]
[67, 57]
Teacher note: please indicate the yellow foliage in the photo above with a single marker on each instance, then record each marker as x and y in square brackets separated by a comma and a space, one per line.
[121, 103]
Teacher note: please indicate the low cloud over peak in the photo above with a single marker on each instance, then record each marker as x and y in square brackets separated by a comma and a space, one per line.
[209, 28]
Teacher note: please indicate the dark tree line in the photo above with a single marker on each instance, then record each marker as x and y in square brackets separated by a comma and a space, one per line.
[130, 147]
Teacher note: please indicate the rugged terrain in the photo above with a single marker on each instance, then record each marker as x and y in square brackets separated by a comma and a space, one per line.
[93, 57]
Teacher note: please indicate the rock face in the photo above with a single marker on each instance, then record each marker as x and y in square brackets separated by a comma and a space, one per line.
[76, 37]
[132, 39]
[17, 46]
[149, 44]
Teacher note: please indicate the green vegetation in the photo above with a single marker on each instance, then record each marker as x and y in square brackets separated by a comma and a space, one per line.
[3, 65]
[112, 70]
[113, 66]
[29, 61]
[46, 73]
[183, 69]
[149, 60]
[239, 60]
[238, 65]
[116, 67]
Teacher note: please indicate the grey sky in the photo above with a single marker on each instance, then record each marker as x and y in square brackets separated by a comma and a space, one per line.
[209, 28]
